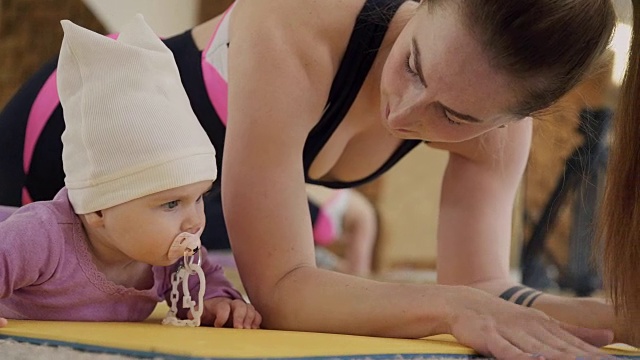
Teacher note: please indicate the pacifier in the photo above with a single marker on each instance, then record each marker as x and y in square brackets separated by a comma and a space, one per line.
[184, 245]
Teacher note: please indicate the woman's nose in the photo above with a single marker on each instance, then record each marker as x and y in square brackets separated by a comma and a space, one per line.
[406, 111]
[409, 104]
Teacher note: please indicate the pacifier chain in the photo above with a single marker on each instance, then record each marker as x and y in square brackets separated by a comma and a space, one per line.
[191, 245]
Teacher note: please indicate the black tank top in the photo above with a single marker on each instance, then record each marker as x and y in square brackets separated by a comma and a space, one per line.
[366, 38]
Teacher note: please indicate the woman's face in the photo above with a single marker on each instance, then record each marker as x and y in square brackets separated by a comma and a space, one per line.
[437, 83]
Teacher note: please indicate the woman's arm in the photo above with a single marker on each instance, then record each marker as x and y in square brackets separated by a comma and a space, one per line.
[474, 234]
[476, 205]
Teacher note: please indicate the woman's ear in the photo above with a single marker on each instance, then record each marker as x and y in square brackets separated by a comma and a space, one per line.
[94, 219]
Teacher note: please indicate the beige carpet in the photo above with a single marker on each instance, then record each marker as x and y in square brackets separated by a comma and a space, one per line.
[13, 350]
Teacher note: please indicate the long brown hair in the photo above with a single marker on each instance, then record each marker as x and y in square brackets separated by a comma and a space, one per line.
[620, 213]
[545, 46]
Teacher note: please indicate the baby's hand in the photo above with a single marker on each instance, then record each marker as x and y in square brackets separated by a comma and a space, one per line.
[3, 322]
[221, 311]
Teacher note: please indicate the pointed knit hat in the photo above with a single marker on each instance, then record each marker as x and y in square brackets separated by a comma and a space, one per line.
[130, 129]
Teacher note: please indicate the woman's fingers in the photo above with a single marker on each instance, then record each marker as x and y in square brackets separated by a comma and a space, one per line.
[558, 344]
[501, 348]
[548, 338]
[595, 337]
[3, 322]
[511, 332]
[541, 343]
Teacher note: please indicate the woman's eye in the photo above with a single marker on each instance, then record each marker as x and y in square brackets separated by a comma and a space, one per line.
[407, 65]
[171, 204]
[450, 119]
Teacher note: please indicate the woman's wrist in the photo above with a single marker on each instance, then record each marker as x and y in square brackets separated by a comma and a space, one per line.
[510, 291]
[460, 301]
[521, 295]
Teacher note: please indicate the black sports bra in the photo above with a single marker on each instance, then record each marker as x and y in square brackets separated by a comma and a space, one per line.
[366, 38]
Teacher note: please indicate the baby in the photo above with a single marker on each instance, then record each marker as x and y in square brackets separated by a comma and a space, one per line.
[127, 223]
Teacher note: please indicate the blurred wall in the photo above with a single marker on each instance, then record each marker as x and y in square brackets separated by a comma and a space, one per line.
[166, 17]
[30, 35]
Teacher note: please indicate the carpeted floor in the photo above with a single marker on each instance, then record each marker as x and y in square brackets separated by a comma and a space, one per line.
[13, 350]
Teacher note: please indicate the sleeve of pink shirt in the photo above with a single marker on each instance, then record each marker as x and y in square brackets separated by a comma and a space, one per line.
[29, 250]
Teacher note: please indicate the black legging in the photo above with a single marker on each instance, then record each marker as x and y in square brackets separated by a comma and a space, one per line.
[46, 177]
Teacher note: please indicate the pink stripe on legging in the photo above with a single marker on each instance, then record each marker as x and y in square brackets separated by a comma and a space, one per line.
[324, 231]
[217, 88]
[41, 110]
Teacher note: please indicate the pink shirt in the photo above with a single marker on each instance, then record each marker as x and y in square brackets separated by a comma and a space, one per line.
[47, 273]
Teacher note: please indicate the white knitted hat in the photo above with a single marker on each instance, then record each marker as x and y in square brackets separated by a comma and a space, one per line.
[130, 130]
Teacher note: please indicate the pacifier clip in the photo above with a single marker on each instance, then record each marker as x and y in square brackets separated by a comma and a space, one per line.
[189, 245]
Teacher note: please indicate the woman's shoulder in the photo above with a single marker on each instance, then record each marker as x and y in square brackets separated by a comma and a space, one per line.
[307, 20]
[315, 14]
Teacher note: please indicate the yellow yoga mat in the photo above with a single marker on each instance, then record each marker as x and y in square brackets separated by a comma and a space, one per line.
[150, 339]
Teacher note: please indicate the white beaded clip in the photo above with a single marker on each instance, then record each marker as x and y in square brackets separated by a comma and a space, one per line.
[181, 275]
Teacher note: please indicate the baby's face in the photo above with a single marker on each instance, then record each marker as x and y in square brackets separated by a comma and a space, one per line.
[144, 229]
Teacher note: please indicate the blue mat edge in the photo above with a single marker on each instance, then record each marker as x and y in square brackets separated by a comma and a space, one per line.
[151, 355]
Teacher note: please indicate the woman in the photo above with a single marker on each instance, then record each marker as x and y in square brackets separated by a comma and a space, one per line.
[334, 93]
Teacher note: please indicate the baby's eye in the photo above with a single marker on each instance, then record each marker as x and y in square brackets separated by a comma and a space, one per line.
[171, 204]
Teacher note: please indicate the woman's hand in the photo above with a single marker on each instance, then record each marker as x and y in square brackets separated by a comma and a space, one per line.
[3, 322]
[505, 330]
[586, 312]
[591, 312]
[221, 311]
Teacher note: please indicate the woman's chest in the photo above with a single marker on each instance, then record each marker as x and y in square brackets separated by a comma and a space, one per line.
[357, 148]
